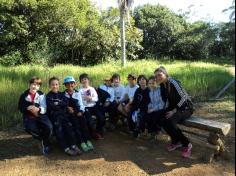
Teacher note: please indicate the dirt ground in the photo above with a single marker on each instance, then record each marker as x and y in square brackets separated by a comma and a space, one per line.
[118, 154]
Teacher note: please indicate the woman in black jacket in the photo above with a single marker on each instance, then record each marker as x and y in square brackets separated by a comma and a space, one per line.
[178, 108]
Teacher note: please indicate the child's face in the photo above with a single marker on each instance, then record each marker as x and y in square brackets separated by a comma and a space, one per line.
[34, 87]
[116, 82]
[54, 86]
[132, 82]
[108, 83]
[143, 82]
[85, 82]
[70, 86]
[152, 84]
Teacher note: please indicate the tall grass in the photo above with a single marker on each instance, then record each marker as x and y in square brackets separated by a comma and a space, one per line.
[200, 79]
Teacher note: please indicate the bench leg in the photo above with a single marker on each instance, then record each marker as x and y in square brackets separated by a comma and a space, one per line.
[208, 157]
[214, 139]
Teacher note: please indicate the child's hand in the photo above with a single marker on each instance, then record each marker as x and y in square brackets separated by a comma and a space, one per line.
[35, 111]
[150, 111]
[79, 114]
[29, 108]
[107, 104]
[36, 114]
[88, 98]
[127, 108]
[71, 110]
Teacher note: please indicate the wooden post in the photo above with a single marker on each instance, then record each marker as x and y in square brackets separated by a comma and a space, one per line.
[215, 140]
[225, 88]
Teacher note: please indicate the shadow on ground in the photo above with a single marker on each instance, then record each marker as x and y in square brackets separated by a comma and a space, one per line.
[148, 156]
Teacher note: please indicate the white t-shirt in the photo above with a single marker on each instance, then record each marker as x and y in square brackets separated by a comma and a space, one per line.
[129, 91]
[90, 91]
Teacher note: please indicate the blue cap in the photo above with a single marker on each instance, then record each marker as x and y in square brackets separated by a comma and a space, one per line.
[69, 79]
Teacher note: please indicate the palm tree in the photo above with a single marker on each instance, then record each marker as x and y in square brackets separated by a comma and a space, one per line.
[125, 7]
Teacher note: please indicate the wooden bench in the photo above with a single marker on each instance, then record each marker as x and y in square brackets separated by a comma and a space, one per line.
[210, 135]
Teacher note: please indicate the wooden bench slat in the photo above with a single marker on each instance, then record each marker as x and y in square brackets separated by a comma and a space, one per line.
[208, 125]
[202, 142]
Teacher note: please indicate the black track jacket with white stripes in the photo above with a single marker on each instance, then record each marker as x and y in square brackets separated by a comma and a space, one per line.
[174, 95]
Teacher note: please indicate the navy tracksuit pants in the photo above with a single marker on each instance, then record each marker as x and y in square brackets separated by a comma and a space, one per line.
[40, 128]
[140, 124]
[100, 119]
[80, 127]
[63, 130]
[111, 110]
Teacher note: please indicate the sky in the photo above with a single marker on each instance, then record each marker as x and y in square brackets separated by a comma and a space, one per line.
[208, 10]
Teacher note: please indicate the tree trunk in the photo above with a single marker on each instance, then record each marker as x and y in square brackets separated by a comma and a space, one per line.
[123, 41]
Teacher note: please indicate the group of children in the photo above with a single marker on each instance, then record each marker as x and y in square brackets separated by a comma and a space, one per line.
[69, 115]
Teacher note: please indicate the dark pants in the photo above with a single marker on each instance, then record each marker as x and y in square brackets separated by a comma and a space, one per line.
[131, 123]
[140, 124]
[111, 110]
[81, 128]
[63, 130]
[90, 111]
[154, 121]
[40, 128]
[170, 126]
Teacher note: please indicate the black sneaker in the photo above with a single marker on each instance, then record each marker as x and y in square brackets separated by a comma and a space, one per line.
[135, 134]
[111, 126]
[45, 149]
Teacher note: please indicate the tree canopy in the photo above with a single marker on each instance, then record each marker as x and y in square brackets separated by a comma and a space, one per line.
[76, 32]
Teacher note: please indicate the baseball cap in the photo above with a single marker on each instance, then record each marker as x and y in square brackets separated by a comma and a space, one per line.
[69, 79]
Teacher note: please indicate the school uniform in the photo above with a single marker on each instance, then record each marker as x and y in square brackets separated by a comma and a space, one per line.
[103, 96]
[139, 105]
[118, 92]
[91, 108]
[80, 124]
[157, 104]
[111, 109]
[57, 105]
[109, 90]
[39, 127]
[175, 96]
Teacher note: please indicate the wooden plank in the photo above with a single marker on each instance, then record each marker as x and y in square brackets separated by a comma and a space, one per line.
[203, 143]
[208, 125]
[183, 129]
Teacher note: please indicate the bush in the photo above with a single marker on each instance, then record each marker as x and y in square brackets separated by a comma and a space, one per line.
[11, 59]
